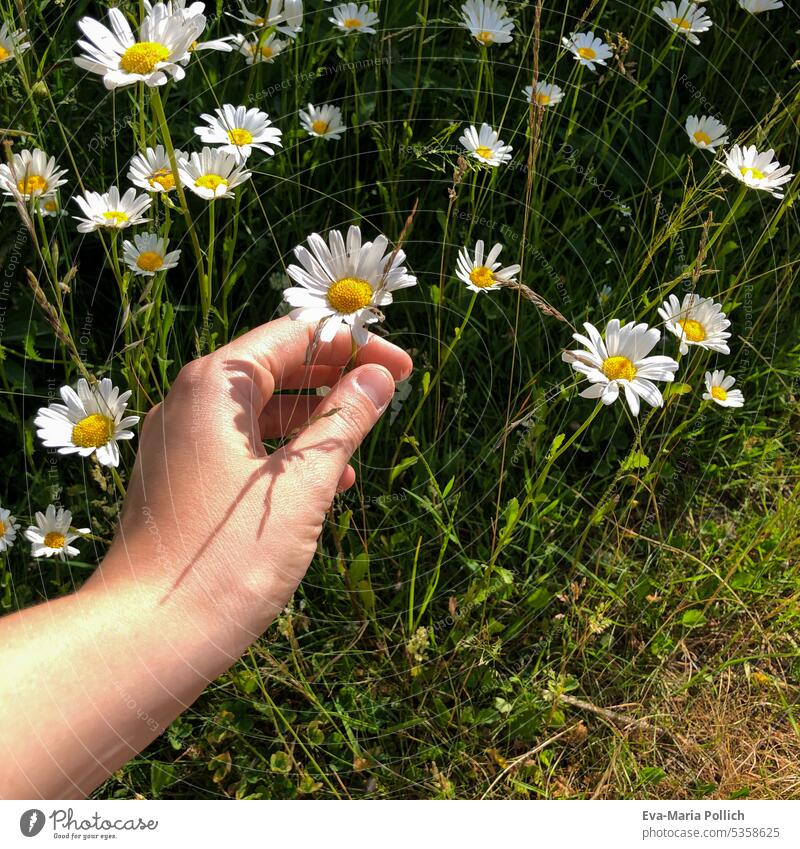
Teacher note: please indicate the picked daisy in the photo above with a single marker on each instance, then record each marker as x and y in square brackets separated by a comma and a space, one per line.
[8, 529]
[696, 321]
[31, 174]
[757, 170]
[484, 275]
[12, 43]
[350, 17]
[345, 283]
[239, 130]
[147, 254]
[90, 421]
[621, 362]
[161, 49]
[547, 94]
[718, 390]
[487, 21]
[756, 7]
[259, 48]
[685, 18]
[485, 145]
[151, 170]
[587, 49]
[324, 122]
[212, 174]
[51, 535]
[706, 132]
[110, 210]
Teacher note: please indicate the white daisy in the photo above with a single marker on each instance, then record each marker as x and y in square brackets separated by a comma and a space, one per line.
[706, 132]
[587, 49]
[487, 21]
[8, 529]
[485, 145]
[163, 44]
[50, 206]
[30, 174]
[147, 254]
[259, 48]
[345, 283]
[12, 43]
[151, 170]
[547, 94]
[176, 7]
[110, 210]
[756, 7]
[212, 174]
[51, 536]
[480, 275]
[696, 321]
[285, 15]
[757, 170]
[350, 17]
[718, 390]
[621, 362]
[90, 421]
[324, 121]
[239, 130]
[685, 18]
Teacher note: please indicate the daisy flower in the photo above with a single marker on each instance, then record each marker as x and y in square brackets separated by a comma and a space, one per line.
[239, 130]
[324, 121]
[485, 145]
[718, 390]
[51, 537]
[350, 17]
[111, 210]
[547, 94]
[756, 7]
[12, 43]
[345, 283]
[285, 15]
[90, 421]
[480, 275]
[259, 49]
[487, 21]
[175, 7]
[706, 132]
[621, 362]
[163, 44]
[696, 321]
[587, 49]
[757, 170]
[50, 206]
[30, 174]
[685, 18]
[212, 174]
[8, 529]
[147, 254]
[151, 170]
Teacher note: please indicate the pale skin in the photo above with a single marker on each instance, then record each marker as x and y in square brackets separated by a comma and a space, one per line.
[214, 537]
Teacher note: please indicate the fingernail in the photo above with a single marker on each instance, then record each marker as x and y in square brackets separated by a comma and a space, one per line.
[377, 385]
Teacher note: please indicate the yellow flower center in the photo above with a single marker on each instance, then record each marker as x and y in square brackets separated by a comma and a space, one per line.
[619, 368]
[586, 53]
[319, 126]
[754, 173]
[4, 54]
[482, 276]
[702, 138]
[210, 181]
[115, 218]
[163, 178]
[54, 540]
[31, 184]
[692, 330]
[681, 23]
[719, 393]
[259, 22]
[485, 37]
[93, 431]
[542, 99]
[349, 295]
[149, 261]
[240, 137]
[2, 529]
[266, 51]
[484, 152]
[351, 23]
[50, 206]
[142, 57]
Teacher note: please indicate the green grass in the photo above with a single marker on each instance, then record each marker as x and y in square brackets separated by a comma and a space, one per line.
[483, 618]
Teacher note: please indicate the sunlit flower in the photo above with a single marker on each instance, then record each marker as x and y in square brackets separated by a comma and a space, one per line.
[718, 390]
[487, 21]
[587, 49]
[345, 283]
[482, 275]
[147, 254]
[285, 15]
[706, 132]
[485, 145]
[212, 174]
[50, 206]
[257, 48]
[90, 421]
[547, 94]
[756, 7]
[175, 7]
[685, 18]
[8, 529]
[696, 321]
[239, 130]
[621, 362]
[51, 535]
[757, 170]
[151, 170]
[350, 17]
[31, 174]
[324, 121]
[110, 210]
[12, 43]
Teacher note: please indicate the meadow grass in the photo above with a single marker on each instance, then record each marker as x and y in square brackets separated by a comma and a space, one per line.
[510, 602]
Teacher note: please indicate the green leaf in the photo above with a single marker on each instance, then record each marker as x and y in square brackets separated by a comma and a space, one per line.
[693, 618]
[358, 575]
[635, 460]
[401, 467]
[162, 775]
[555, 445]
